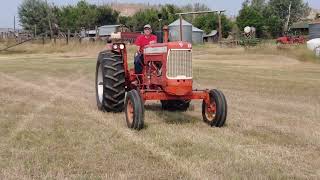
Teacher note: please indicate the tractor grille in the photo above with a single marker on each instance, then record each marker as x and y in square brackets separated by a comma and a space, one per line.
[179, 64]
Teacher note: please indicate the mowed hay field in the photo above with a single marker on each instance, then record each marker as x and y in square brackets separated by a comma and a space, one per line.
[50, 127]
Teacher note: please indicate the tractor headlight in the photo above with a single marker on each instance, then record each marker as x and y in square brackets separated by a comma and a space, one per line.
[115, 46]
[121, 46]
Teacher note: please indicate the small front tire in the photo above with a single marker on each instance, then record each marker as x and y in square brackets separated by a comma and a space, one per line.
[134, 110]
[216, 114]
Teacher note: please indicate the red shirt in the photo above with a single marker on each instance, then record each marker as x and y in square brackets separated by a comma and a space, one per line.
[142, 41]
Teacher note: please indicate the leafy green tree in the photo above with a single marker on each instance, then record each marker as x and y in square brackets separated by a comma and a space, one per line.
[148, 16]
[209, 22]
[258, 4]
[33, 14]
[106, 15]
[272, 24]
[193, 8]
[271, 18]
[124, 19]
[168, 13]
[280, 9]
[67, 18]
[250, 16]
[151, 16]
[85, 15]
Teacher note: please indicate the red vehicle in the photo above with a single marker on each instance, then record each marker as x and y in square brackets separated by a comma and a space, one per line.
[291, 40]
[128, 37]
[167, 77]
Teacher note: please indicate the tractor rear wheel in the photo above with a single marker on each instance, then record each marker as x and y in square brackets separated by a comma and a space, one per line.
[110, 82]
[175, 105]
[134, 110]
[215, 114]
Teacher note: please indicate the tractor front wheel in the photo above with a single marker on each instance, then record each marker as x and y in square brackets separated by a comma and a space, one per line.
[215, 113]
[134, 109]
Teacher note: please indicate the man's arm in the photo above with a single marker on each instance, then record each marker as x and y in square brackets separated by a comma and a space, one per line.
[138, 48]
[154, 39]
[138, 44]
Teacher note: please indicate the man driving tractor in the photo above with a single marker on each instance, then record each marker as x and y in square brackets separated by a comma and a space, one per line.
[162, 72]
[145, 39]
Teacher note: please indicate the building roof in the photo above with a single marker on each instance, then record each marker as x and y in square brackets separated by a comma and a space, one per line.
[300, 25]
[213, 33]
[177, 23]
[110, 26]
[194, 29]
[107, 30]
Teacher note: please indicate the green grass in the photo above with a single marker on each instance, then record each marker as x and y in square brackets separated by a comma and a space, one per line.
[300, 52]
[50, 127]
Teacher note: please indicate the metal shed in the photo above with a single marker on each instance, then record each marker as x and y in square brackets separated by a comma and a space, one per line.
[174, 31]
[197, 35]
[211, 37]
[314, 30]
[107, 30]
[302, 28]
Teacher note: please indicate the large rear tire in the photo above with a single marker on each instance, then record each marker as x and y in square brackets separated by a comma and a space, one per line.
[134, 110]
[110, 82]
[216, 118]
[175, 105]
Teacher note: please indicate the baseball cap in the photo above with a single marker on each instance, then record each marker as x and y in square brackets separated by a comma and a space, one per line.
[147, 26]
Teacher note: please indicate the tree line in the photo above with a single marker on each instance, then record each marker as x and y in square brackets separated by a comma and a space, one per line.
[268, 17]
[41, 15]
[271, 18]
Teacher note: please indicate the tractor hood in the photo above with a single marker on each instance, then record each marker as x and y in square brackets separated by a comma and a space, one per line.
[164, 47]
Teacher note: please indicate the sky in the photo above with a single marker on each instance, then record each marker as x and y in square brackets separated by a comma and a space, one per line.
[8, 9]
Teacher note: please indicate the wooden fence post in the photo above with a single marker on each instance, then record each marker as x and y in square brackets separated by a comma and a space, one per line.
[220, 26]
[97, 33]
[35, 31]
[68, 36]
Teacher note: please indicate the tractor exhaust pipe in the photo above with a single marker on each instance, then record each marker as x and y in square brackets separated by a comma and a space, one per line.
[165, 34]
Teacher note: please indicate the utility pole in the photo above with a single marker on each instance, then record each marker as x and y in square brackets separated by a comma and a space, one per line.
[68, 36]
[49, 19]
[14, 24]
[160, 29]
[220, 26]
[180, 17]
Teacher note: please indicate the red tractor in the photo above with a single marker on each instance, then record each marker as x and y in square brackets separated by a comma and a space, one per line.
[291, 40]
[167, 77]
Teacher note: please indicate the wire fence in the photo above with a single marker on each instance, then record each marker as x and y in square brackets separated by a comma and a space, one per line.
[12, 39]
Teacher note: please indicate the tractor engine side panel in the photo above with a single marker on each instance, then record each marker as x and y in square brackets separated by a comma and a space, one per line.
[155, 66]
[176, 67]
